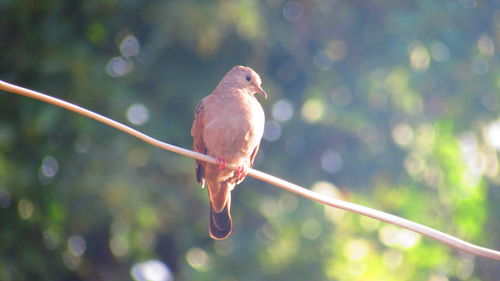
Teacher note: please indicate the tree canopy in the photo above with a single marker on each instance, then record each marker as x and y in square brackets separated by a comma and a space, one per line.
[389, 104]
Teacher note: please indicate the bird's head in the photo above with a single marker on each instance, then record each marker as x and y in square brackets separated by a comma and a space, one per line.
[245, 78]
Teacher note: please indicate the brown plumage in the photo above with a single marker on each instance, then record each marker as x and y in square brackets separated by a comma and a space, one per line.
[228, 126]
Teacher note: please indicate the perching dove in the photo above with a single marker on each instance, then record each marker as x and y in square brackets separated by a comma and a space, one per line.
[228, 126]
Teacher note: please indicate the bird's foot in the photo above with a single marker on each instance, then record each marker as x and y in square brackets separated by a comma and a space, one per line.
[221, 163]
[242, 171]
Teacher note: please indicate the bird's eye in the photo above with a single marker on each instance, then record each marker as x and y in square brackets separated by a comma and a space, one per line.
[248, 78]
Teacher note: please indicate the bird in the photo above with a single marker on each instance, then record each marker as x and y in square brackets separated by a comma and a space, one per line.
[228, 125]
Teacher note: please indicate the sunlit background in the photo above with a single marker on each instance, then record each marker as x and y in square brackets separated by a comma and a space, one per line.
[390, 104]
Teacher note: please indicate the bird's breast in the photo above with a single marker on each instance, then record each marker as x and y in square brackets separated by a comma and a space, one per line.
[235, 131]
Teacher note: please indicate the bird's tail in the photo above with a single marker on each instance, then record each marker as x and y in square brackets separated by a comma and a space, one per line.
[220, 224]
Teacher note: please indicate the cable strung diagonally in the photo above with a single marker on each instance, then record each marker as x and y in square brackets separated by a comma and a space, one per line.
[333, 202]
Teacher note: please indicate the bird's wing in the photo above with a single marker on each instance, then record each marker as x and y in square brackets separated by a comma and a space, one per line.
[252, 156]
[198, 144]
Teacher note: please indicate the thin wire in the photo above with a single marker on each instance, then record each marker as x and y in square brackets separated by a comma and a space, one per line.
[333, 202]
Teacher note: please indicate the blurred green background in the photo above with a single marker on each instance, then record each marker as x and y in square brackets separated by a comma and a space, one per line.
[390, 104]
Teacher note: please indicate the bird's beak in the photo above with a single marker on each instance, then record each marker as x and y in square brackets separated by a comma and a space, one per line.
[262, 92]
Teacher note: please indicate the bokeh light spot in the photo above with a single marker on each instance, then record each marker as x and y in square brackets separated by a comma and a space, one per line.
[414, 164]
[425, 136]
[119, 245]
[265, 233]
[312, 110]
[96, 32]
[356, 249]
[70, 261]
[440, 52]
[137, 114]
[327, 189]
[282, 110]
[394, 236]
[331, 161]
[419, 57]
[269, 207]
[129, 46]
[473, 159]
[336, 50]
[493, 134]
[486, 45]
[77, 245]
[49, 167]
[288, 202]
[119, 66]
[402, 134]
[311, 229]
[25, 208]
[198, 259]
[490, 101]
[272, 131]
[151, 270]
[397, 80]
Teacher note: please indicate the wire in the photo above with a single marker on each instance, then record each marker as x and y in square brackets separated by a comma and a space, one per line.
[437, 235]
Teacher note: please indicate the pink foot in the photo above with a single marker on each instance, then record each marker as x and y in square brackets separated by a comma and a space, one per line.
[242, 171]
[221, 163]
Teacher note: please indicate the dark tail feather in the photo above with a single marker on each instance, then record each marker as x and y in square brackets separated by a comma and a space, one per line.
[220, 223]
[200, 174]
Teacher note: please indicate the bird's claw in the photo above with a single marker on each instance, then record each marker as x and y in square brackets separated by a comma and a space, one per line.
[221, 163]
[242, 171]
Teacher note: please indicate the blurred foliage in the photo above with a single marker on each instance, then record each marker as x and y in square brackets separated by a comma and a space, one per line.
[390, 104]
